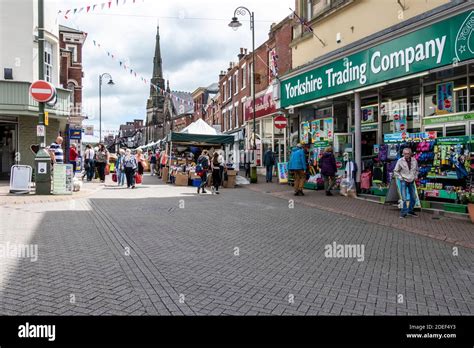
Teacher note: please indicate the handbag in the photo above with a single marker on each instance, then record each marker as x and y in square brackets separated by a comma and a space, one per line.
[114, 177]
[138, 178]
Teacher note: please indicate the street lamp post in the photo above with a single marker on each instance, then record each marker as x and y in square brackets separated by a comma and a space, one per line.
[235, 24]
[110, 83]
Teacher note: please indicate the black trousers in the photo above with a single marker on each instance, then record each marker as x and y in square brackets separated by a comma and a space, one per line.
[101, 170]
[221, 173]
[216, 178]
[130, 175]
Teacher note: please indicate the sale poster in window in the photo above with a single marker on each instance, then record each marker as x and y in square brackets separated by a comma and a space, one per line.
[399, 120]
[305, 132]
[368, 114]
[328, 129]
[315, 130]
[444, 98]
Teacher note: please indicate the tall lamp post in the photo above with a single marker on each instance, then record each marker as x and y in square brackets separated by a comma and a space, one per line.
[235, 24]
[110, 83]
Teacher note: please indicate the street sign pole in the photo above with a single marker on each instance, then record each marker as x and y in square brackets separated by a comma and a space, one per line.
[42, 159]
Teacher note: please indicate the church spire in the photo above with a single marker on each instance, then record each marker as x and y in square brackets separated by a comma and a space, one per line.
[157, 63]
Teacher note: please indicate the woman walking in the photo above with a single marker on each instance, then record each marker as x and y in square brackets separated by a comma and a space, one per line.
[119, 169]
[202, 168]
[140, 160]
[101, 159]
[152, 160]
[327, 164]
[216, 173]
[130, 166]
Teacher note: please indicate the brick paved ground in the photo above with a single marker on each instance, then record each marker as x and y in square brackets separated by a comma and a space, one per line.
[141, 251]
[451, 230]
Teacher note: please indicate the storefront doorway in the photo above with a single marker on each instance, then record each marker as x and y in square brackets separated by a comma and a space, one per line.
[8, 148]
[279, 149]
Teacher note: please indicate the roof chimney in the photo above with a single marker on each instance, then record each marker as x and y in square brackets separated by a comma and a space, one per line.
[241, 54]
[221, 75]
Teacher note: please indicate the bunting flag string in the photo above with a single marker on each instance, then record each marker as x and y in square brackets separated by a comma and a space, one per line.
[132, 72]
[91, 8]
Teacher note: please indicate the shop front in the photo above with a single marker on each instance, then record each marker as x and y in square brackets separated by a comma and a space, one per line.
[267, 135]
[415, 86]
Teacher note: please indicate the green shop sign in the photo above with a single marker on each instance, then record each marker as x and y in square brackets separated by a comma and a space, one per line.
[455, 140]
[366, 127]
[443, 43]
[446, 119]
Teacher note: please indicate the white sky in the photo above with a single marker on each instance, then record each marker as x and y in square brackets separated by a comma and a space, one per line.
[196, 44]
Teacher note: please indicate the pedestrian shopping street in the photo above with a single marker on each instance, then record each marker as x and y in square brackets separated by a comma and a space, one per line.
[253, 250]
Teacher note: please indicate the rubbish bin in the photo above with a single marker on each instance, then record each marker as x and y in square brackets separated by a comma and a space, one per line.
[253, 174]
[43, 172]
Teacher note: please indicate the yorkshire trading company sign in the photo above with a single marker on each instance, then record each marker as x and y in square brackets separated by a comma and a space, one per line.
[443, 43]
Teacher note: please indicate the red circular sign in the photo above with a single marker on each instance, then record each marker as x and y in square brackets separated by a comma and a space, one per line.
[280, 122]
[42, 91]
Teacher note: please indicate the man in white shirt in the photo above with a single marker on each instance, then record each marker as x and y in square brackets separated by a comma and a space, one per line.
[406, 170]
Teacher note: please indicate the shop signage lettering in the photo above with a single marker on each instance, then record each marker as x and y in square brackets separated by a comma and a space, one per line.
[444, 119]
[400, 137]
[366, 127]
[437, 45]
[265, 106]
[455, 140]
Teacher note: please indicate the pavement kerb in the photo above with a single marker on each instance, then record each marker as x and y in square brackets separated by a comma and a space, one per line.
[283, 195]
[33, 199]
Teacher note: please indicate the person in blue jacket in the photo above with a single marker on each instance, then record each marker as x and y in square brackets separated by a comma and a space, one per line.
[297, 166]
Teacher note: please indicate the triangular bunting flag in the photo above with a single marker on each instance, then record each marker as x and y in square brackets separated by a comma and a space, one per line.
[93, 42]
[120, 63]
[75, 10]
[93, 7]
[81, 9]
[110, 3]
[88, 8]
[102, 6]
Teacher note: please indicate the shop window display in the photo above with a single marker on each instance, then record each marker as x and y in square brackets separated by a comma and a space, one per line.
[446, 97]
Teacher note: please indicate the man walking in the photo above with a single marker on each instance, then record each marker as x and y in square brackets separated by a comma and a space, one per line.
[297, 166]
[406, 170]
[269, 162]
[57, 151]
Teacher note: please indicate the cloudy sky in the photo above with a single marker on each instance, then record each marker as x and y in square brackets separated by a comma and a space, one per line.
[196, 44]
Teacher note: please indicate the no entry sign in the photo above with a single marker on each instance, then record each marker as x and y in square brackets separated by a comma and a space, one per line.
[42, 91]
[280, 122]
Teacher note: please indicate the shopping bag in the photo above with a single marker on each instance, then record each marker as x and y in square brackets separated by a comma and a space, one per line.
[107, 169]
[114, 177]
[138, 178]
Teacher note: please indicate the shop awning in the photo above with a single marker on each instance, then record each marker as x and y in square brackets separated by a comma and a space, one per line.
[200, 139]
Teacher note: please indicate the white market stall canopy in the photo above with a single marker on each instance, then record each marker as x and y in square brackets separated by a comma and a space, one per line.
[200, 127]
[200, 133]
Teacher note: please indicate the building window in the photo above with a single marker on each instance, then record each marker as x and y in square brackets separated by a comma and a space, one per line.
[237, 116]
[224, 92]
[231, 114]
[73, 49]
[446, 97]
[236, 82]
[244, 76]
[230, 88]
[48, 61]
[71, 86]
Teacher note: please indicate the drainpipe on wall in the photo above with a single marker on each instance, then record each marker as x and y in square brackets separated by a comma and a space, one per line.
[357, 137]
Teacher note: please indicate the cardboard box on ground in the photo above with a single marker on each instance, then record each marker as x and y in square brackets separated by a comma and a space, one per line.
[181, 179]
[230, 182]
[165, 174]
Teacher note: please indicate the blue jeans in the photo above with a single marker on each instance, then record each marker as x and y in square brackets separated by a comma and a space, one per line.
[408, 204]
[120, 177]
[269, 172]
[91, 170]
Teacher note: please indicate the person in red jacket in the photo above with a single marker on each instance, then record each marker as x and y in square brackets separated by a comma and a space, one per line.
[73, 157]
